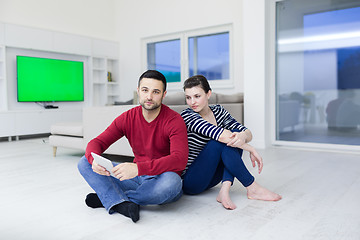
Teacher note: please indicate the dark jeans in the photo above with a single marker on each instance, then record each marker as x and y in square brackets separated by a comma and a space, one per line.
[216, 162]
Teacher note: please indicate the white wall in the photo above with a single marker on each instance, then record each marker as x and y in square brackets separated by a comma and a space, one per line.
[92, 18]
[129, 21]
[256, 79]
[143, 18]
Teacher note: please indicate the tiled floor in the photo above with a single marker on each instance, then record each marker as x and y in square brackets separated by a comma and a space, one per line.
[42, 197]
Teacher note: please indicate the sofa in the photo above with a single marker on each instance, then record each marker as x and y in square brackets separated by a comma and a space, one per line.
[96, 119]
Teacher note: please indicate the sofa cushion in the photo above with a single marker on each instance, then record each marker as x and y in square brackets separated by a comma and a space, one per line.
[213, 97]
[178, 108]
[67, 141]
[67, 129]
[178, 98]
[174, 99]
[129, 102]
[234, 98]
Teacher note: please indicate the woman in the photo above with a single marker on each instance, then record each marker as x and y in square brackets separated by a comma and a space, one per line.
[216, 142]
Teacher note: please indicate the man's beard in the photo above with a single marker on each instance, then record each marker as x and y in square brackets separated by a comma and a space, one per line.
[152, 107]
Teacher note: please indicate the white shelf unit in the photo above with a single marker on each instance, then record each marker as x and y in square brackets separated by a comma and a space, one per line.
[101, 56]
[3, 88]
[105, 90]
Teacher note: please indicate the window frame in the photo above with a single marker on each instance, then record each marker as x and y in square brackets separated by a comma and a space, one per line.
[184, 54]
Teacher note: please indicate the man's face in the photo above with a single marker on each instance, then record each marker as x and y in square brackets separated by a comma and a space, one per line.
[151, 93]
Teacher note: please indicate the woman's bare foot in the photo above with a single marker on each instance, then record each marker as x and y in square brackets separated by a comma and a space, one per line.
[257, 192]
[224, 196]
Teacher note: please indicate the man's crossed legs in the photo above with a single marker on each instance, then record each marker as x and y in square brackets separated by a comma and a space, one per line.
[125, 196]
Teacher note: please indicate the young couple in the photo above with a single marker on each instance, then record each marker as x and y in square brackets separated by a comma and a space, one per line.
[173, 154]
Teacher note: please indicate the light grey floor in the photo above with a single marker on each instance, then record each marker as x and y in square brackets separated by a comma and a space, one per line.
[319, 133]
[42, 197]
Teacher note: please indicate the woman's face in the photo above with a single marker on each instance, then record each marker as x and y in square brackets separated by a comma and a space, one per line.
[196, 98]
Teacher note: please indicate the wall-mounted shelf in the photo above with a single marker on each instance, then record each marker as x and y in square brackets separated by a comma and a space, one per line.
[105, 81]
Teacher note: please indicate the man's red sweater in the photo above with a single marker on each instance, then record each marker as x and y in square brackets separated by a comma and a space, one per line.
[159, 146]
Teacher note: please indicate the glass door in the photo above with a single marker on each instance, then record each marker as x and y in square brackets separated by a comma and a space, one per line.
[318, 71]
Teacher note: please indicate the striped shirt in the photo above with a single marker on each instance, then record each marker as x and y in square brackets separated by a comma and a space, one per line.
[201, 131]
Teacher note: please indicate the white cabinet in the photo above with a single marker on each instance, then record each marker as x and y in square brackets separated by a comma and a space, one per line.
[28, 38]
[105, 81]
[2, 33]
[17, 123]
[64, 42]
[7, 124]
[3, 88]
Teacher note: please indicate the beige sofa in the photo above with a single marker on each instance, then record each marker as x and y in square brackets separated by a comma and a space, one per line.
[96, 119]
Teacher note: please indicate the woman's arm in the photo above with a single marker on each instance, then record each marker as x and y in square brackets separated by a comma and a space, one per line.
[240, 140]
[235, 139]
[254, 156]
[196, 124]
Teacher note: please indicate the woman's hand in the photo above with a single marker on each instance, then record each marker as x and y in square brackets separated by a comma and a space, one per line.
[255, 157]
[237, 139]
[240, 140]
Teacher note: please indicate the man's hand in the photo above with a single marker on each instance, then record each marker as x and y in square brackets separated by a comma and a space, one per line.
[99, 169]
[125, 171]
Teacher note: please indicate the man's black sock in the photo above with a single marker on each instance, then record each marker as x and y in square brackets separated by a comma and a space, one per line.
[92, 200]
[128, 209]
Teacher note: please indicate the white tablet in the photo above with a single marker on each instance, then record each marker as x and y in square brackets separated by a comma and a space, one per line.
[104, 162]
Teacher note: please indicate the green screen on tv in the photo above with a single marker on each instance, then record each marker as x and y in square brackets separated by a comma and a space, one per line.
[49, 80]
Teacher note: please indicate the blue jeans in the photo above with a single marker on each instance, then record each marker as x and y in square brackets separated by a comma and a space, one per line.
[216, 162]
[142, 190]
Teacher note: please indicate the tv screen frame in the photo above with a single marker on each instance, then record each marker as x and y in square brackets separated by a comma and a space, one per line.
[41, 79]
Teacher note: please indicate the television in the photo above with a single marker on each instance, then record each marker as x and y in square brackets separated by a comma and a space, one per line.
[49, 80]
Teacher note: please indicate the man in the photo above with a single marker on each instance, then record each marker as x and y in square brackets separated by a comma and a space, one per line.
[158, 139]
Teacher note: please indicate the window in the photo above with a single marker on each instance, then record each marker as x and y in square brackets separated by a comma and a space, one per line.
[209, 56]
[317, 72]
[179, 56]
[165, 57]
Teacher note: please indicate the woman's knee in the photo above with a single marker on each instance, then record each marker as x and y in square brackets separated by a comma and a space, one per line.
[214, 146]
[234, 150]
[213, 142]
[222, 147]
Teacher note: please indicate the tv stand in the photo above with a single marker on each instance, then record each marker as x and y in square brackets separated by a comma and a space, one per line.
[47, 106]
[35, 121]
[50, 106]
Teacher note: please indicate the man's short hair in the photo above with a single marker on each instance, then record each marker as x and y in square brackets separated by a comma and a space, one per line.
[154, 75]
